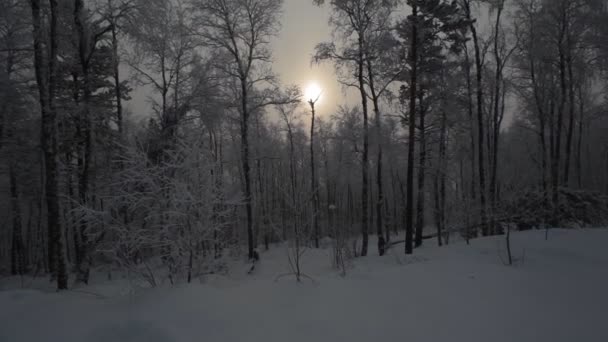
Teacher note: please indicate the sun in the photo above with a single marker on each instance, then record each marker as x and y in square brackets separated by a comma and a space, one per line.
[313, 92]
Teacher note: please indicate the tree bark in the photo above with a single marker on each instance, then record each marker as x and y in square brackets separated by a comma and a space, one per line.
[480, 129]
[579, 144]
[437, 207]
[116, 75]
[442, 176]
[17, 248]
[496, 119]
[365, 158]
[420, 201]
[84, 45]
[540, 103]
[246, 167]
[313, 179]
[471, 123]
[379, 185]
[45, 78]
[571, 114]
[409, 228]
[558, 129]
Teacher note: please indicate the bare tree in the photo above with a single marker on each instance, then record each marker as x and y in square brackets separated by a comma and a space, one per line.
[241, 30]
[354, 20]
[467, 6]
[413, 59]
[430, 33]
[88, 35]
[45, 56]
[115, 13]
[162, 56]
[314, 187]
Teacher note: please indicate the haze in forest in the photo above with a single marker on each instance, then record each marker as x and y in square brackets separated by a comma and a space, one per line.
[303, 170]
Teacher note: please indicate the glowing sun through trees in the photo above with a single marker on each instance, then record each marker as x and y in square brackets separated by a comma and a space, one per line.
[313, 92]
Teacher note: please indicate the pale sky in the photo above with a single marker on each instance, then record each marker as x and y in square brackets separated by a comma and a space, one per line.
[303, 26]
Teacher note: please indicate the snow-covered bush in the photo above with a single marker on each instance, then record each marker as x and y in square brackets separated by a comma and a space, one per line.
[577, 208]
[163, 219]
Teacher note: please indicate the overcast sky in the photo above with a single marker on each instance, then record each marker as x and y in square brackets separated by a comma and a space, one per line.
[303, 25]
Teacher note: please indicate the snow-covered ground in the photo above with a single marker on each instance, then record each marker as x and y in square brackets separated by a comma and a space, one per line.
[557, 291]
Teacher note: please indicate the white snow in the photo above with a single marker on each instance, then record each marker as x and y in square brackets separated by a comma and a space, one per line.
[557, 291]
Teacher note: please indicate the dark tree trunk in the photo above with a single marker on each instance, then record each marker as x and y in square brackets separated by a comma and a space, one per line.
[437, 204]
[606, 190]
[365, 158]
[292, 179]
[558, 128]
[313, 179]
[116, 75]
[543, 147]
[45, 61]
[542, 134]
[85, 49]
[440, 178]
[30, 245]
[17, 249]
[471, 124]
[420, 201]
[259, 215]
[570, 132]
[246, 167]
[409, 227]
[579, 144]
[378, 123]
[5, 100]
[328, 190]
[396, 205]
[480, 130]
[497, 114]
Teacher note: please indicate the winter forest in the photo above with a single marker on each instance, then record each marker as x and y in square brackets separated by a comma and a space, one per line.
[472, 129]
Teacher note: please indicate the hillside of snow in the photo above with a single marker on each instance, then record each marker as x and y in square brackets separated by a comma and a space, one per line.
[556, 291]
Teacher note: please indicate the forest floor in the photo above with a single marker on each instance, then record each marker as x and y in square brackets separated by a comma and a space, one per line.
[557, 290]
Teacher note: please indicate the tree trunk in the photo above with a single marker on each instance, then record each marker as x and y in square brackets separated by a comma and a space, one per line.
[558, 128]
[542, 134]
[437, 206]
[440, 177]
[45, 78]
[471, 123]
[409, 228]
[579, 144]
[17, 249]
[396, 205]
[420, 201]
[246, 168]
[83, 258]
[292, 179]
[365, 158]
[5, 100]
[543, 147]
[379, 185]
[313, 179]
[480, 129]
[570, 132]
[496, 117]
[116, 75]
[259, 203]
